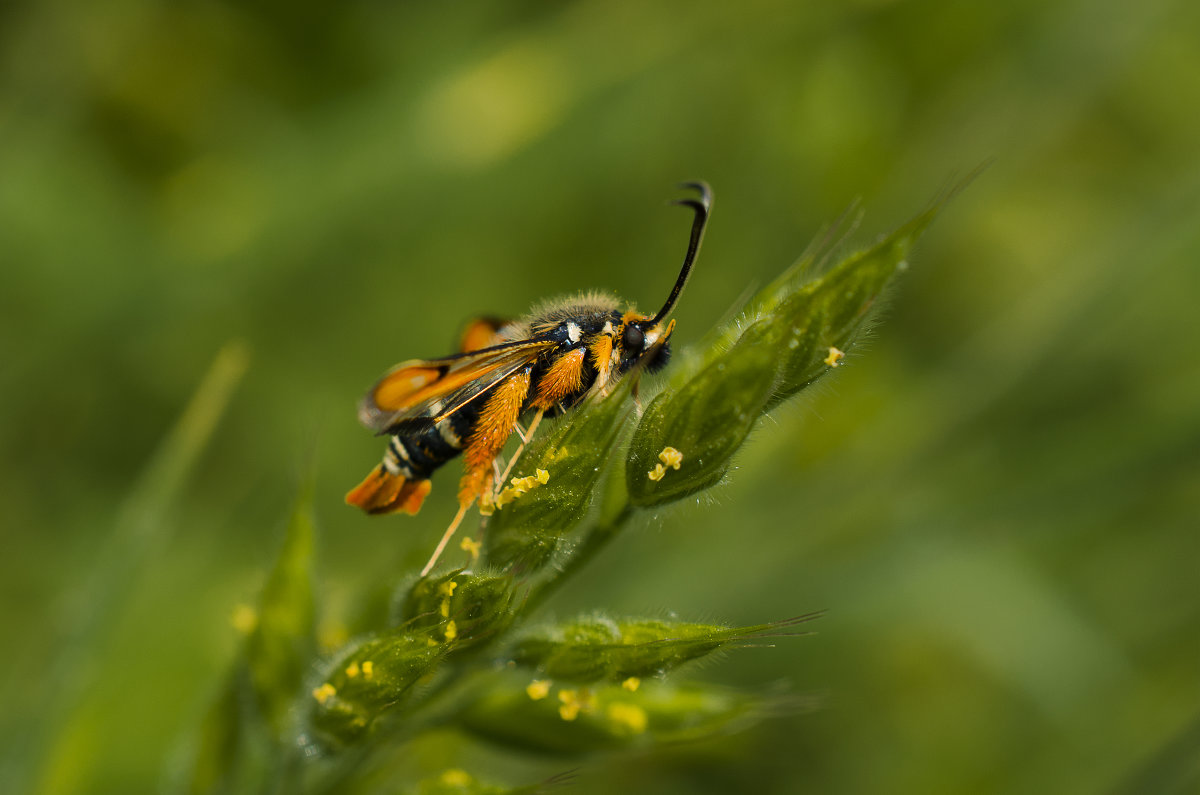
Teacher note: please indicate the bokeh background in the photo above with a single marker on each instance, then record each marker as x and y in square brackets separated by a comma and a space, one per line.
[997, 500]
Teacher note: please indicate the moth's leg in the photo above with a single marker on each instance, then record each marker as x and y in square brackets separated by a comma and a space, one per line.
[437, 553]
[490, 433]
[537, 419]
[562, 380]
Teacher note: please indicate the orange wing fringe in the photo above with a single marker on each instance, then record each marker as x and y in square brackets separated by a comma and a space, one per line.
[382, 492]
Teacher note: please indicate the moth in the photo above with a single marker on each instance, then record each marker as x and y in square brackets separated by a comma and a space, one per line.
[469, 403]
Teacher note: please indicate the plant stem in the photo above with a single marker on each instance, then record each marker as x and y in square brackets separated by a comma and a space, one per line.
[597, 538]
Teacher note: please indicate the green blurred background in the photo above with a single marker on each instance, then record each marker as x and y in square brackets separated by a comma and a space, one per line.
[997, 500]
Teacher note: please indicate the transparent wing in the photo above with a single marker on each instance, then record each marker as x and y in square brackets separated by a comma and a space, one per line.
[418, 393]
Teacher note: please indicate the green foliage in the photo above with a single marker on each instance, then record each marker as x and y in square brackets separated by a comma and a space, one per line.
[243, 738]
[706, 420]
[461, 606]
[996, 499]
[791, 333]
[283, 637]
[598, 649]
[526, 533]
[578, 720]
[578, 687]
[372, 680]
[459, 782]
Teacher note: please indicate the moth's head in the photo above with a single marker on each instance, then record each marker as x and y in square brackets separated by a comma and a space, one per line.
[642, 340]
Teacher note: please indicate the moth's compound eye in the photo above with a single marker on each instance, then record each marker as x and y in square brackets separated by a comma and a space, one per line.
[633, 339]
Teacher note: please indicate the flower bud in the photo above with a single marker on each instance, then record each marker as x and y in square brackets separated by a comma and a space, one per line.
[369, 681]
[830, 312]
[477, 606]
[577, 720]
[597, 649]
[705, 421]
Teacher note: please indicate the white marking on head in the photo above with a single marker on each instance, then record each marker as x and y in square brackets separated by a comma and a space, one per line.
[573, 331]
[650, 338]
[608, 329]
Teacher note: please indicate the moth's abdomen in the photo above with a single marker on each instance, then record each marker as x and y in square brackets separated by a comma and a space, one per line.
[419, 454]
[401, 482]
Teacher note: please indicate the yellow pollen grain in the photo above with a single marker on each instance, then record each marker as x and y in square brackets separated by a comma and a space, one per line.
[447, 588]
[368, 669]
[671, 457]
[324, 693]
[451, 630]
[456, 778]
[657, 473]
[538, 689]
[631, 684]
[444, 608]
[569, 709]
[835, 357]
[244, 619]
[518, 486]
[469, 544]
[630, 716]
[352, 670]
[487, 506]
[573, 702]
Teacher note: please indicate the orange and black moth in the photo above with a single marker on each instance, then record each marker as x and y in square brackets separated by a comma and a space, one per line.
[469, 404]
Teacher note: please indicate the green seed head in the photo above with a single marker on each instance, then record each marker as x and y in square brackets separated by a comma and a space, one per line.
[460, 607]
[371, 679]
[598, 649]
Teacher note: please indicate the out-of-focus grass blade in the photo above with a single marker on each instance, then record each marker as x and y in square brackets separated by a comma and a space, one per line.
[283, 641]
[240, 739]
[95, 604]
[234, 750]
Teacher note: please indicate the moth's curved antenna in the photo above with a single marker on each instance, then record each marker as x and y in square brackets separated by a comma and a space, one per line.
[700, 206]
